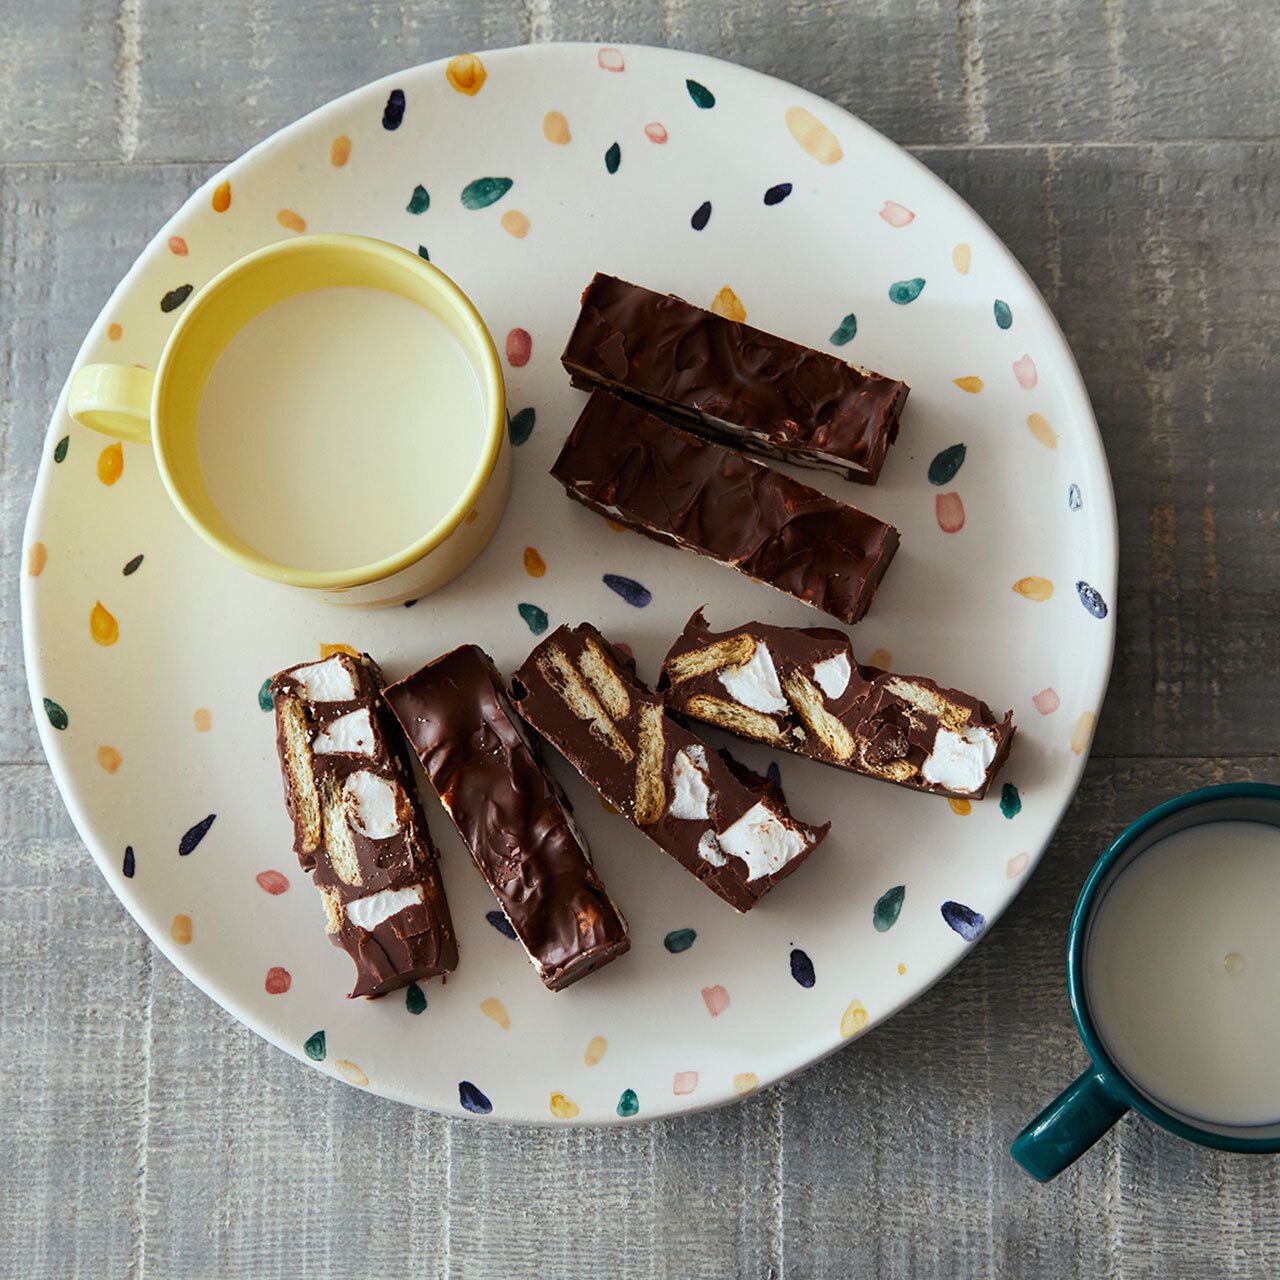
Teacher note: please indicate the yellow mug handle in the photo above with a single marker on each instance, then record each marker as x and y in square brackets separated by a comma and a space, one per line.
[114, 399]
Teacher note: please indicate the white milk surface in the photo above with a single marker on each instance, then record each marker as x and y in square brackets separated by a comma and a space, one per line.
[1182, 972]
[338, 427]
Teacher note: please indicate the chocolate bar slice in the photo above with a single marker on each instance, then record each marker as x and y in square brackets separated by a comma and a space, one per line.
[680, 489]
[358, 826]
[727, 825]
[511, 815]
[802, 690]
[732, 382]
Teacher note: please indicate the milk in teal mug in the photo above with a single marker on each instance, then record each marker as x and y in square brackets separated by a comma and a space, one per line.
[1173, 969]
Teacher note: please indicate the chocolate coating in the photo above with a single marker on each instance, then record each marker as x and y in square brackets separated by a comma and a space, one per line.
[511, 815]
[348, 865]
[688, 492]
[735, 383]
[886, 726]
[583, 696]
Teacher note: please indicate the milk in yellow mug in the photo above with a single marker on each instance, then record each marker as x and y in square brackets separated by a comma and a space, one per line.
[327, 413]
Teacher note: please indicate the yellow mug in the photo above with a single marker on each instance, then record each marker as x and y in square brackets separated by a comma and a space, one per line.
[163, 408]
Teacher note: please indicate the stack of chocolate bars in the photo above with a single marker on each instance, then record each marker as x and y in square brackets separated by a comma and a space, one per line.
[655, 366]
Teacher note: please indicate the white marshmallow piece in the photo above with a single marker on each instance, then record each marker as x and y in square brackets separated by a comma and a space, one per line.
[832, 675]
[327, 681]
[368, 913]
[371, 801]
[709, 849]
[690, 792]
[763, 841]
[349, 735]
[959, 761]
[755, 683]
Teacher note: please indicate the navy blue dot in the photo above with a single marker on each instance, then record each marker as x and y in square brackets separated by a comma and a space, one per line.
[393, 112]
[472, 1099]
[629, 589]
[501, 923]
[132, 566]
[802, 968]
[1091, 600]
[128, 862]
[774, 773]
[1074, 500]
[194, 835]
[701, 216]
[176, 297]
[776, 195]
[967, 922]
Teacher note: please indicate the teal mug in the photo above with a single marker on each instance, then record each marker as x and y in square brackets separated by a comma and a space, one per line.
[1103, 1093]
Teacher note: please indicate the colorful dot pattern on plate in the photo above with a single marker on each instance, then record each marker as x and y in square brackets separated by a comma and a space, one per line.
[524, 171]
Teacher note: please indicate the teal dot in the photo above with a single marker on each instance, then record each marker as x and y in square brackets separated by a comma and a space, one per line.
[888, 907]
[845, 331]
[264, 695]
[904, 291]
[535, 618]
[1004, 317]
[945, 464]
[613, 158]
[423, 254]
[414, 998]
[420, 201]
[1010, 800]
[520, 425]
[314, 1047]
[701, 95]
[57, 717]
[628, 1104]
[60, 449]
[483, 192]
[679, 940]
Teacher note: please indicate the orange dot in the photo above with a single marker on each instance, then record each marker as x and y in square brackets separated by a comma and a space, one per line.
[534, 565]
[1037, 589]
[114, 332]
[961, 807]
[340, 151]
[350, 1072]
[1083, 731]
[880, 658]
[222, 197]
[111, 464]
[563, 1108]
[291, 221]
[178, 245]
[745, 1082]
[38, 555]
[614, 525]
[514, 223]
[181, 929]
[555, 128]
[813, 136]
[104, 629]
[970, 383]
[596, 1047]
[961, 256]
[203, 720]
[328, 650]
[1042, 431]
[109, 758]
[495, 1009]
[466, 74]
[726, 303]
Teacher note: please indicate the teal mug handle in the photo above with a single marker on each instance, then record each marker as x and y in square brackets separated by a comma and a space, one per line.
[1068, 1126]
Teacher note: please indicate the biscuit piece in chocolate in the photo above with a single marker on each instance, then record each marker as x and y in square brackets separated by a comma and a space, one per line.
[511, 815]
[358, 826]
[801, 689]
[733, 382]
[688, 492]
[726, 825]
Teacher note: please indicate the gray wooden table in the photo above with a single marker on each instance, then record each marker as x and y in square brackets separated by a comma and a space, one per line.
[1129, 153]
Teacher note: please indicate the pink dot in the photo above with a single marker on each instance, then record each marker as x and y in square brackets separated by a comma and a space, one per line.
[1025, 372]
[624, 647]
[716, 999]
[656, 132]
[684, 1082]
[610, 59]
[519, 348]
[895, 214]
[1017, 865]
[1047, 702]
[278, 981]
[950, 512]
[271, 882]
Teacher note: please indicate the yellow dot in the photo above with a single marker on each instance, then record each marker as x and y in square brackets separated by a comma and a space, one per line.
[221, 197]
[181, 929]
[880, 658]
[745, 1082]
[970, 383]
[726, 303]
[595, 1050]
[495, 1009]
[555, 128]
[853, 1020]
[350, 1072]
[115, 332]
[534, 565]
[340, 151]
[1037, 589]
[1042, 431]
[961, 807]
[813, 136]
[615, 526]
[111, 463]
[902, 968]
[328, 650]
[291, 221]
[1233, 962]
[37, 557]
[514, 223]
[109, 758]
[466, 73]
[563, 1108]
[104, 629]
[1083, 731]
[961, 256]
[203, 719]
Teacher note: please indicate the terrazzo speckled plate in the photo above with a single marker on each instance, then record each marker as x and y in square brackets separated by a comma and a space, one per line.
[520, 173]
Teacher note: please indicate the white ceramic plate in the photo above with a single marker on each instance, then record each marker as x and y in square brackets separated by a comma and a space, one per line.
[154, 733]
